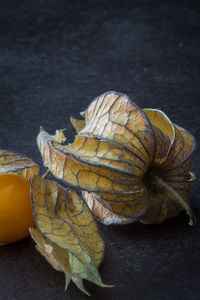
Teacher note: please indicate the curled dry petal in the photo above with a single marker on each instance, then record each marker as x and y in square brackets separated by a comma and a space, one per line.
[67, 232]
[17, 164]
[131, 164]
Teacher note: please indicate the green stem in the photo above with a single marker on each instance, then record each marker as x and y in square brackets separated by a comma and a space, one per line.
[176, 197]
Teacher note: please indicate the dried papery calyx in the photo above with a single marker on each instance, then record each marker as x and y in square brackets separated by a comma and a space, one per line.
[131, 164]
[18, 164]
[67, 234]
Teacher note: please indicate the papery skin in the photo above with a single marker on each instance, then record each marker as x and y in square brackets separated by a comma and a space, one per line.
[67, 233]
[117, 155]
[18, 164]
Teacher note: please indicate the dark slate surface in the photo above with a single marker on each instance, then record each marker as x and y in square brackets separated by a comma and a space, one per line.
[55, 57]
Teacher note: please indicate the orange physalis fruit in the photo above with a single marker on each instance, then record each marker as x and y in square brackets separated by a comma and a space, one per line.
[16, 173]
[15, 209]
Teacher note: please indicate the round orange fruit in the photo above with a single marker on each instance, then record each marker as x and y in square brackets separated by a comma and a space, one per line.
[15, 209]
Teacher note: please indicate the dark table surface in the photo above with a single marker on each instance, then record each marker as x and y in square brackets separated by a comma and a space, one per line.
[55, 57]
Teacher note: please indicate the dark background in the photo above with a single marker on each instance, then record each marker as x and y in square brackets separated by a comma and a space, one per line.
[55, 57]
